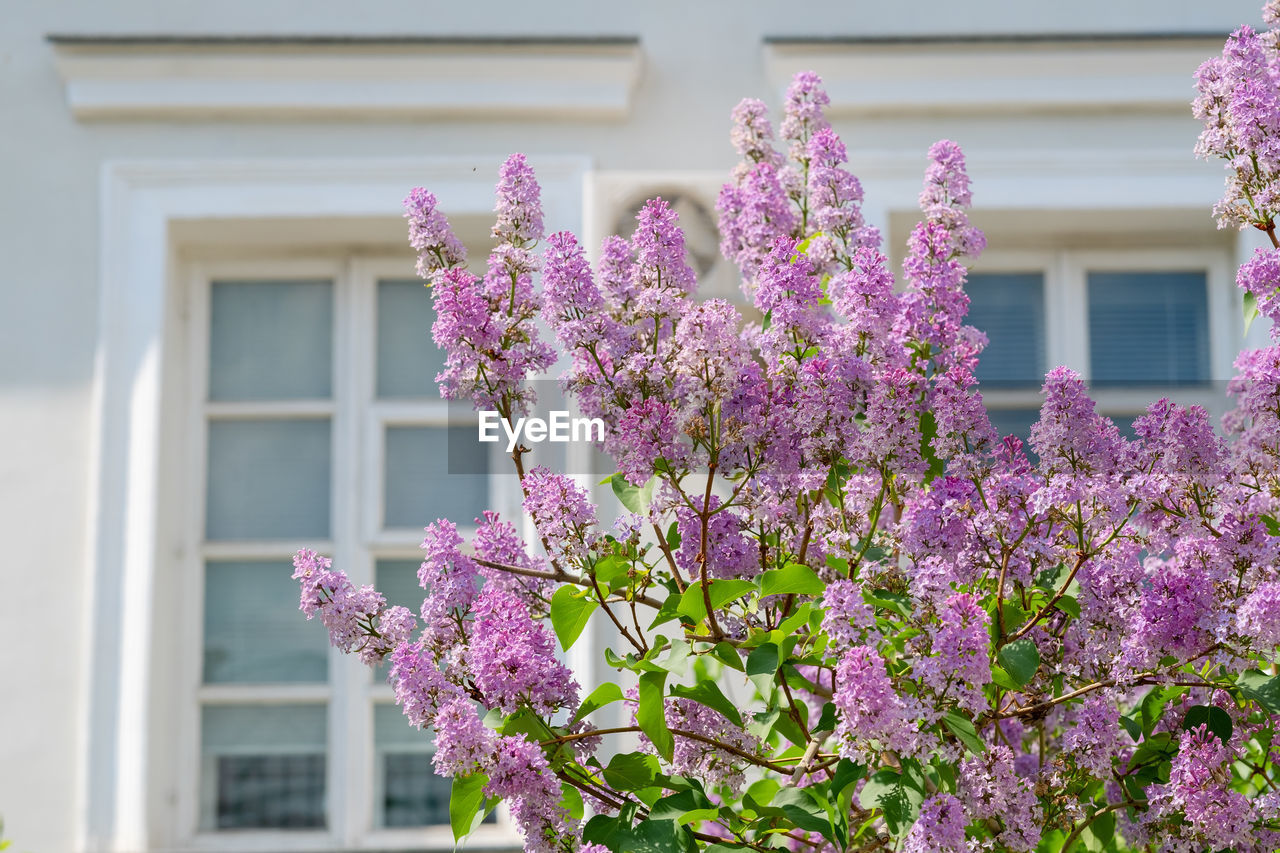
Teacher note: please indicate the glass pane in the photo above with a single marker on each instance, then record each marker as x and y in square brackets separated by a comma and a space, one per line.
[411, 792]
[268, 479]
[1009, 307]
[418, 488]
[398, 581]
[408, 359]
[270, 340]
[263, 766]
[253, 631]
[1148, 328]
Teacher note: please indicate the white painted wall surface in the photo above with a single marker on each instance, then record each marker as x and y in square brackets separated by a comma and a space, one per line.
[698, 60]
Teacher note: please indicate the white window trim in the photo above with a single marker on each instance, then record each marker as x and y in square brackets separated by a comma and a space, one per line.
[357, 540]
[124, 803]
[165, 78]
[899, 77]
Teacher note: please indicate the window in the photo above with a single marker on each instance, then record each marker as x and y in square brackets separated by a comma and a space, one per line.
[317, 423]
[1137, 325]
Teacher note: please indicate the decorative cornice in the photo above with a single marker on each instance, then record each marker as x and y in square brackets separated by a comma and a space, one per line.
[1044, 74]
[324, 77]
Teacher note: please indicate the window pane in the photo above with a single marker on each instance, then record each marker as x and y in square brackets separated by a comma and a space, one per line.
[270, 340]
[408, 359]
[1148, 328]
[411, 793]
[268, 479]
[253, 631]
[418, 488]
[398, 581]
[263, 766]
[1009, 307]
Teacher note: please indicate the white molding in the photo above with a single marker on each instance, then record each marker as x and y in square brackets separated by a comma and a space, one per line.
[117, 807]
[995, 77]
[115, 80]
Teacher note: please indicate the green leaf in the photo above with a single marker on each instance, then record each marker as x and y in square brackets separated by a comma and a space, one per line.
[466, 799]
[608, 568]
[1261, 688]
[962, 728]
[571, 800]
[631, 771]
[650, 714]
[728, 655]
[569, 614]
[1020, 659]
[897, 795]
[1003, 679]
[634, 498]
[761, 792]
[655, 836]
[707, 693]
[762, 666]
[827, 720]
[803, 811]
[792, 578]
[928, 432]
[1133, 727]
[684, 807]
[1250, 310]
[1217, 720]
[605, 694]
[893, 601]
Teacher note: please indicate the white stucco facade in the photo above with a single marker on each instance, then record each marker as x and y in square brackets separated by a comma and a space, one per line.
[151, 137]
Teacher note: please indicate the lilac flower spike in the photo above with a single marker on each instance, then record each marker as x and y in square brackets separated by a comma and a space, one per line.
[429, 233]
[519, 205]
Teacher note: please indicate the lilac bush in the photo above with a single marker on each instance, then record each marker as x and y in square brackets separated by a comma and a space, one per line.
[849, 615]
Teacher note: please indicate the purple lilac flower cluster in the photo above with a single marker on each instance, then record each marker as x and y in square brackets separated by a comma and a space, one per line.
[858, 617]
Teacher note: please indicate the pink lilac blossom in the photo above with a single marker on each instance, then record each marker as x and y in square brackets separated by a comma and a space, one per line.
[572, 304]
[754, 215]
[802, 112]
[421, 689]
[1215, 815]
[450, 579]
[847, 616]
[645, 433]
[990, 788]
[663, 275]
[519, 206]
[788, 289]
[752, 133]
[1258, 618]
[429, 233]
[730, 554]
[939, 828]
[959, 665]
[358, 620]
[497, 541]
[511, 658]
[562, 512]
[1095, 736]
[464, 745]
[871, 715]
[519, 772]
[1260, 275]
[701, 760]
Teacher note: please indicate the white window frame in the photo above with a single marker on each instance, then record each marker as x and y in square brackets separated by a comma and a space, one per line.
[357, 540]
[134, 686]
[1065, 274]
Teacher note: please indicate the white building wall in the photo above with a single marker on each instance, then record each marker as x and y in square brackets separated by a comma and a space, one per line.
[698, 60]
